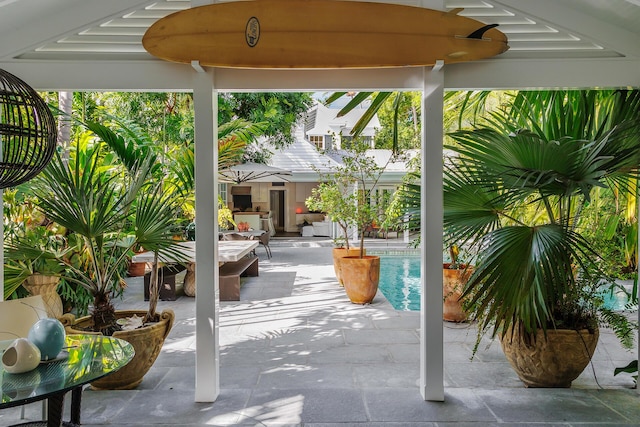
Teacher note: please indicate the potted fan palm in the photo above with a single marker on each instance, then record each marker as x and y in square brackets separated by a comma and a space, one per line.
[96, 202]
[515, 190]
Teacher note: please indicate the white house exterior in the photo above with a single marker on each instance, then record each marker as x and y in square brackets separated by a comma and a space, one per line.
[315, 152]
[324, 129]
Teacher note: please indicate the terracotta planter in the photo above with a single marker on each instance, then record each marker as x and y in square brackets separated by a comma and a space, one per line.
[147, 343]
[47, 287]
[453, 281]
[338, 254]
[137, 269]
[554, 362]
[360, 277]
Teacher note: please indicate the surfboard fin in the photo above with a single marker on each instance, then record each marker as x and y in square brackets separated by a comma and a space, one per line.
[455, 11]
[477, 34]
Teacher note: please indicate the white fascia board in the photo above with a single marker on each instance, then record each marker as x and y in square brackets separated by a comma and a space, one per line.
[156, 75]
[304, 177]
[544, 73]
[122, 75]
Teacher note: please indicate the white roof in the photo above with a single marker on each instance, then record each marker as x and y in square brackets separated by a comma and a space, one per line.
[395, 168]
[399, 164]
[303, 160]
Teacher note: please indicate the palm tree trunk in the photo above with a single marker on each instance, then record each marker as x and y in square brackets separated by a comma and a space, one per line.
[153, 291]
[65, 102]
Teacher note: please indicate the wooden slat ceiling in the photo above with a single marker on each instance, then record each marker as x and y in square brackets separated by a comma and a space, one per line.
[529, 36]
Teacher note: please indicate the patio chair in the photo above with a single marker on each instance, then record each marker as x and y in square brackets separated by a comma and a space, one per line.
[268, 224]
[371, 231]
[264, 241]
[17, 316]
[236, 236]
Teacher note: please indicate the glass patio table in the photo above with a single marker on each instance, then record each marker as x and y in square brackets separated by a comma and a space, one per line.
[84, 358]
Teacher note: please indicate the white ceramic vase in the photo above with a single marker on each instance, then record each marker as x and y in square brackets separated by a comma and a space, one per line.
[21, 356]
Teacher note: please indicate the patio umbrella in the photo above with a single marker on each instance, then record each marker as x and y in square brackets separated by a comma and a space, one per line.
[253, 172]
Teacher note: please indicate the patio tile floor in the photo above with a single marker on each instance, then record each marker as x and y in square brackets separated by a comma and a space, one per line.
[295, 352]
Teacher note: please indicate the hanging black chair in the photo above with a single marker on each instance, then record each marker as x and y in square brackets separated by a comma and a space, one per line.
[28, 131]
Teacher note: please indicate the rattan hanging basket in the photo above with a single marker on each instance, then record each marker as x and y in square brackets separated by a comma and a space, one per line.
[28, 132]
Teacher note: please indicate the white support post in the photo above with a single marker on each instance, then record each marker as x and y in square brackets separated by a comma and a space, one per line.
[207, 296]
[431, 210]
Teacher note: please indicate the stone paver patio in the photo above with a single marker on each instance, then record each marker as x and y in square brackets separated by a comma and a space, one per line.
[295, 352]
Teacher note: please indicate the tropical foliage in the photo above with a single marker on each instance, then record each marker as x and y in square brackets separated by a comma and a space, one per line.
[398, 113]
[516, 190]
[336, 200]
[279, 111]
[144, 161]
[347, 193]
[110, 211]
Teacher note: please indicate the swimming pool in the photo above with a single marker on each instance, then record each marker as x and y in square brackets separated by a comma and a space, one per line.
[400, 283]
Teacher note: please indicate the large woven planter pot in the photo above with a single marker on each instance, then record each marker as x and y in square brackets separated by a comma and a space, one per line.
[147, 343]
[338, 254]
[453, 281]
[554, 362]
[47, 287]
[360, 277]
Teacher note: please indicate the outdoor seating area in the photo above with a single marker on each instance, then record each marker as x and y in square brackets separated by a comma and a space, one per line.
[294, 351]
[410, 213]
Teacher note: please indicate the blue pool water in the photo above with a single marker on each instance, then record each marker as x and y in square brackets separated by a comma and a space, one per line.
[400, 281]
[400, 284]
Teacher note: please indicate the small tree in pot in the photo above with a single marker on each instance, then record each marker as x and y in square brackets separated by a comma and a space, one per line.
[333, 199]
[347, 196]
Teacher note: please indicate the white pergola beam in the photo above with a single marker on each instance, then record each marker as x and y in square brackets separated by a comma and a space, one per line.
[152, 75]
[544, 74]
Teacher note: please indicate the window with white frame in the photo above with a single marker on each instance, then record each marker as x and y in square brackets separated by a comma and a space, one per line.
[222, 191]
[317, 140]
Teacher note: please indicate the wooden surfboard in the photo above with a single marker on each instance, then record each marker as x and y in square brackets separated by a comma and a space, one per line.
[320, 34]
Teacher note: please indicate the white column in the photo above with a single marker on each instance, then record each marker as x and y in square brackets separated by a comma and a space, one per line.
[431, 335]
[207, 299]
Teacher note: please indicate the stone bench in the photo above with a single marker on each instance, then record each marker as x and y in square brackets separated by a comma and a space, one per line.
[230, 273]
